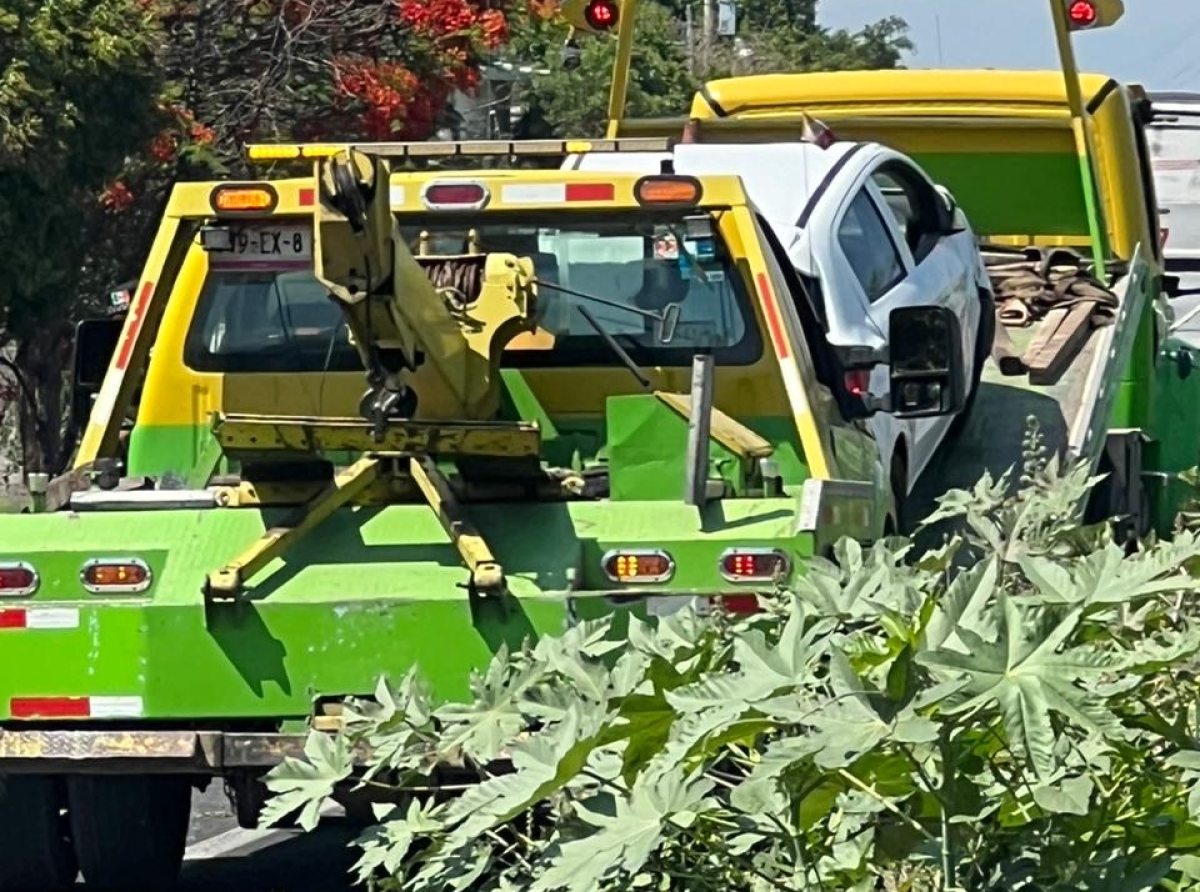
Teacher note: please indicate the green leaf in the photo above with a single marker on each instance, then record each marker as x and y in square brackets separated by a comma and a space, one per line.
[307, 785]
[1068, 797]
[1023, 675]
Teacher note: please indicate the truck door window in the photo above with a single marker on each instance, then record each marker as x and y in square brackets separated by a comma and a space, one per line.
[868, 245]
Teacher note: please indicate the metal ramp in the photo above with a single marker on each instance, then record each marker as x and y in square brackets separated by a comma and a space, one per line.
[1074, 412]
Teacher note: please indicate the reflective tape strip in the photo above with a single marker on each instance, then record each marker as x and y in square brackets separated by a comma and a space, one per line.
[77, 707]
[116, 707]
[40, 618]
[557, 193]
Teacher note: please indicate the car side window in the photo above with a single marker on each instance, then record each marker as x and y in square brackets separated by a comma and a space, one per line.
[915, 206]
[869, 248]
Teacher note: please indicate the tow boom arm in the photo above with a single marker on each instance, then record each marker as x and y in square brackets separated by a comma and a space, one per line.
[455, 313]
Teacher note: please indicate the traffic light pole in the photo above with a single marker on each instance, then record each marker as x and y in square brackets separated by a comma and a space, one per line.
[1083, 141]
[619, 92]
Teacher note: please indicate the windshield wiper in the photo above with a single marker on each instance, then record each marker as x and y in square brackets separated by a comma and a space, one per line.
[616, 348]
[668, 318]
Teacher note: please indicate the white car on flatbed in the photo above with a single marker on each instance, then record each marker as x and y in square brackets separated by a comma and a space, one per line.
[866, 231]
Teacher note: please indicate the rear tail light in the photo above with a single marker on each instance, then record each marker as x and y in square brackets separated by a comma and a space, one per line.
[17, 579]
[754, 564]
[627, 566]
[105, 576]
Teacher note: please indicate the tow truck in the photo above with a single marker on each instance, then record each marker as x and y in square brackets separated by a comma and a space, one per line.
[515, 412]
[1054, 171]
[549, 430]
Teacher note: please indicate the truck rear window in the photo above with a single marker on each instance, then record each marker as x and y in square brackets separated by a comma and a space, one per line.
[266, 320]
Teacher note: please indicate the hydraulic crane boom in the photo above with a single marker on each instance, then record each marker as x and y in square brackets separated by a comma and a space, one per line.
[455, 313]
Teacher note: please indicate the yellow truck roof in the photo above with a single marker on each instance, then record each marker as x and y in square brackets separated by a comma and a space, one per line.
[766, 94]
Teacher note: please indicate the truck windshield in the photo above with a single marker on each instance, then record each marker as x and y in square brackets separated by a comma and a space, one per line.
[1175, 157]
[265, 320]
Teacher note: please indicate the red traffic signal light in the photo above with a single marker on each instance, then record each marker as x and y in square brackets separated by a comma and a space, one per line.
[601, 15]
[1087, 15]
[1082, 13]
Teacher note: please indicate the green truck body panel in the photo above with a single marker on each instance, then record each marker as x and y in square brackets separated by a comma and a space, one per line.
[375, 591]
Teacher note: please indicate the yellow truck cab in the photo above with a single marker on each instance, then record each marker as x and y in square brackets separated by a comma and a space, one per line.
[251, 331]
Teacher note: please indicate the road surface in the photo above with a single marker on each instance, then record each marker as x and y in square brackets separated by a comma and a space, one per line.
[222, 856]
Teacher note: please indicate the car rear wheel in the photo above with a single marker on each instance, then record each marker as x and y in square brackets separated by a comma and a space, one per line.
[129, 831]
[37, 854]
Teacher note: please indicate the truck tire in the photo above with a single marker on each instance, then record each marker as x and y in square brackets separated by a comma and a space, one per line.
[37, 846]
[129, 832]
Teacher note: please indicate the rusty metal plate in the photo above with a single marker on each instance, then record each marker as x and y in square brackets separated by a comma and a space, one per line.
[92, 745]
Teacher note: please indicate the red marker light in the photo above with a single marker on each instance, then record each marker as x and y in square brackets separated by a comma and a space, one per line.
[601, 14]
[17, 579]
[467, 196]
[754, 564]
[1082, 13]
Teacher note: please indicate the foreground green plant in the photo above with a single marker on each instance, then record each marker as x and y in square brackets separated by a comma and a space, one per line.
[1026, 722]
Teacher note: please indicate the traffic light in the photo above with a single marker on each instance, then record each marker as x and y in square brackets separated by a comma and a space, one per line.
[1088, 15]
[592, 16]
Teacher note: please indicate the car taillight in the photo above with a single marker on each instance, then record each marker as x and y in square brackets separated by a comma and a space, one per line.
[17, 579]
[754, 564]
[858, 381]
[115, 576]
[627, 566]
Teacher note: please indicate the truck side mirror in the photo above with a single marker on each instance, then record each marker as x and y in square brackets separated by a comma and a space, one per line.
[928, 375]
[95, 343]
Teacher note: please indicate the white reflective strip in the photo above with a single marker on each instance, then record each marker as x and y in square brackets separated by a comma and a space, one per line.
[115, 707]
[529, 194]
[52, 618]
[397, 196]
[106, 399]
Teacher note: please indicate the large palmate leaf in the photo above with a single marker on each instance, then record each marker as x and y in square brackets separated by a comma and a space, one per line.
[626, 836]
[1109, 576]
[483, 728]
[1024, 675]
[306, 785]
[851, 723]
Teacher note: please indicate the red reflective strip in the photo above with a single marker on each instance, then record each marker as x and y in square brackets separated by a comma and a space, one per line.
[591, 191]
[774, 322]
[137, 313]
[12, 619]
[50, 707]
[308, 198]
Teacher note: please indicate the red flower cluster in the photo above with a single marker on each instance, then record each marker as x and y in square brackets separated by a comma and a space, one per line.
[403, 104]
[117, 197]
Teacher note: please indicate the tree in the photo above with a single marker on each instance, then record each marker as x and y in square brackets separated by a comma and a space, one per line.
[77, 79]
[158, 91]
[1012, 711]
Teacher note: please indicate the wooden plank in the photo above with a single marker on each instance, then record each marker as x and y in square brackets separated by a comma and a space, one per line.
[1063, 332]
[1004, 352]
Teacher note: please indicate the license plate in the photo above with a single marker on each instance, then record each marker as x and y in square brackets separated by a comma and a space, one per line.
[266, 247]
